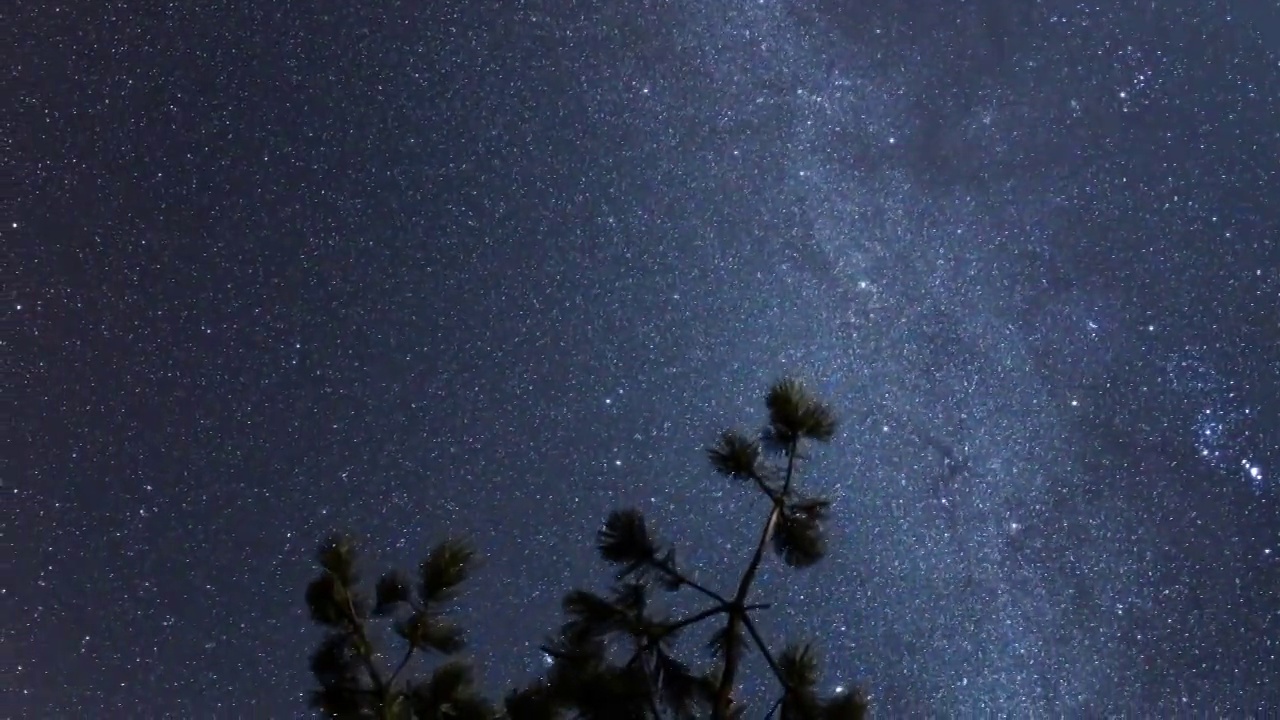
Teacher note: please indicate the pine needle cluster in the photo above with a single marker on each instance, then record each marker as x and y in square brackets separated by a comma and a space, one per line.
[614, 657]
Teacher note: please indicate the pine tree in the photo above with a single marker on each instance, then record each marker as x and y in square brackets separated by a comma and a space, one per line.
[354, 683]
[613, 658]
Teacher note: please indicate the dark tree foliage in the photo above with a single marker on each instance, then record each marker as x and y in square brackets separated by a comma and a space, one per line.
[614, 656]
[353, 682]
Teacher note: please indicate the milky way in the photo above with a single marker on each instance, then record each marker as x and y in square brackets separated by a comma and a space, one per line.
[911, 224]
[495, 269]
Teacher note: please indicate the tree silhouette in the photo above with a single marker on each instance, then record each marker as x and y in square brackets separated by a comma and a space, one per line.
[614, 656]
[353, 682]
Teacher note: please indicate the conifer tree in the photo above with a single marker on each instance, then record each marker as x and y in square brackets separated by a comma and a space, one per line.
[613, 658]
[354, 683]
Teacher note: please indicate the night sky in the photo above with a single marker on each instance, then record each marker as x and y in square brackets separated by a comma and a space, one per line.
[491, 269]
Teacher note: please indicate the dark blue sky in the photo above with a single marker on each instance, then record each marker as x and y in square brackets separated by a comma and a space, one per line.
[493, 269]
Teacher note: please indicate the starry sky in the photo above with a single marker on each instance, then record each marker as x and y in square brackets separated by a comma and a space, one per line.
[491, 269]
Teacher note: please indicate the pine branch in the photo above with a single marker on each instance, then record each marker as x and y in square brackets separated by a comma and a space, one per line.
[764, 650]
[748, 577]
[737, 612]
[363, 647]
[675, 627]
[404, 662]
[692, 619]
[769, 492]
[666, 567]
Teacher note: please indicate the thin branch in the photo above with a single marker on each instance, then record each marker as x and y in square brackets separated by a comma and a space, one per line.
[748, 577]
[764, 487]
[363, 645]
[686, 622]
[673, 628]
[400, 668]
[737, 614]
[653, 642]
[764, 650]
[793, 454]
[666, 567]
[724, 699]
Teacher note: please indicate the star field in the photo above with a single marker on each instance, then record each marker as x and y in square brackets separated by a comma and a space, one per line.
[493, 269]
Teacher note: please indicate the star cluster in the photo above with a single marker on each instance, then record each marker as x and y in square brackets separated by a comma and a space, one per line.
[493, 269]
